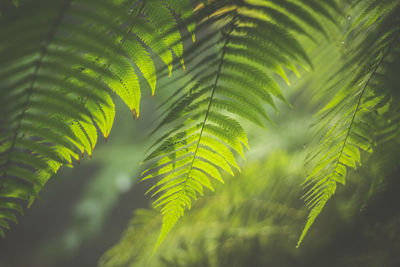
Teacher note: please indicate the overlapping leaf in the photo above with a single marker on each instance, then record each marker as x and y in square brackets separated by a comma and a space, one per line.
[60, 62]
[351, 121]
[240, 46]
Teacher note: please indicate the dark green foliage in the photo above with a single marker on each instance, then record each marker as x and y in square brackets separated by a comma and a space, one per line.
[354, 120]
[60, 61]
[241, 46]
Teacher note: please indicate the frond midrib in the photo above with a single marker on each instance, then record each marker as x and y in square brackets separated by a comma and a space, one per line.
[231, 28]
[56, 25]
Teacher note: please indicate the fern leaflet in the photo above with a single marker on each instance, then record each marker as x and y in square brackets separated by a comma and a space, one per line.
[350, 120]
[230, 81]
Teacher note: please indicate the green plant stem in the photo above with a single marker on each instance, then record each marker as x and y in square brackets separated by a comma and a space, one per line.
[212, 95]
[359, 102]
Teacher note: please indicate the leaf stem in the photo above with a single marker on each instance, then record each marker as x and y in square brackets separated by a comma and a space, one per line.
[359, 102]
[212, 94]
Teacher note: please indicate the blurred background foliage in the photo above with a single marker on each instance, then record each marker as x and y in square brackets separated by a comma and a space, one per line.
[254, 219]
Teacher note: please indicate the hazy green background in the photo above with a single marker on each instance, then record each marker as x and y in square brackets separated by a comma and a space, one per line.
[253, 220]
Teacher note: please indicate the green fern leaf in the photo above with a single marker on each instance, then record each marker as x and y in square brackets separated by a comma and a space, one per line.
[231, 82]
[59, 64]
[350, 120]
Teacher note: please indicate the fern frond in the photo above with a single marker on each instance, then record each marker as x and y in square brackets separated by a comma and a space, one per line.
[231, 81]
[60, 61]
[351, 120]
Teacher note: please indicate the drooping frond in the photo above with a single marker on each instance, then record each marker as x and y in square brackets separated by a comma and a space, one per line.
[60, 61]
[352, 121]
[241, 49]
